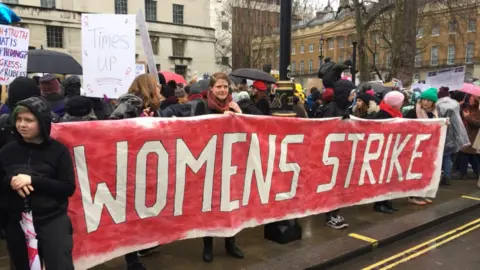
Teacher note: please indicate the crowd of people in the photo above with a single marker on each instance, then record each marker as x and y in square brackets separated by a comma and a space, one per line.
[37, 172]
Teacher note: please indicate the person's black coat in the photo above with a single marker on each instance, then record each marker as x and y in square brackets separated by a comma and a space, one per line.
[248, 107]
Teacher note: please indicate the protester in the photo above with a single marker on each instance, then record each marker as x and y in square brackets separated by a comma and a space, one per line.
[246, 104]
[260, 97]
[471, 118]
[456, 137]
[51, 90]
[389, 108]
[37, 175]
[19, 89]
[72, 86]
[145, 87]
[299, 103]
[78, 108]
[325, 68]
[335, 74]
[424, 109]
[181, 95]
[365, 106]
[168, 93]
[219, 101]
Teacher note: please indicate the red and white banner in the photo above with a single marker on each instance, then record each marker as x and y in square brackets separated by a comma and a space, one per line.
[148, 181]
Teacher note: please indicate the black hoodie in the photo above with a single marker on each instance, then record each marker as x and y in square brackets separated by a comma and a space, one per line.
[49, 164]
[338, 107]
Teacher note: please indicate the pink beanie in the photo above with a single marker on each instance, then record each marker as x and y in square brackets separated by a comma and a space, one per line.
[370, 92]
[394, 99]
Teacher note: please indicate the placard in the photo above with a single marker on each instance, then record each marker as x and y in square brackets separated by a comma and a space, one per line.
[140, 69]
[108, 54]
[147, 44]
[452, 78]
[13, 53]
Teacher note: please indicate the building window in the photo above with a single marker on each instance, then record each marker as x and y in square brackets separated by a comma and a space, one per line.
[350, 40]
[310, 48]
[302, 66]
[278, 52]
[416, 77]
[434, 56]
[470, 53]
[472, 25]
[451, 55]
[468, 76]
[310, 66]
[10, 1]
[418, 58]
[340, 59]
[294, 67]
[435, 30]
[225, 61]
[55, 36]
[181, 70]
[121, 6]
[293, 50]
[375, 59]
[331, 44]
[340, 42]
[452, 27]
[225, 25]
[155, 44]
[45, 3]
[151, 10]
[302, 49]
[420, 32]
[177, 14]
[178, 47]
[389, 59]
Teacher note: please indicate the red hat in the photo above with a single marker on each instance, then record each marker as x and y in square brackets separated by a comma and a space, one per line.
[260, 85]
[328, 95]
[370, 92]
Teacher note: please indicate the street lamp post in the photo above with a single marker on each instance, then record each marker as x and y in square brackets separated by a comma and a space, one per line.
[320, 57]
[353, 69]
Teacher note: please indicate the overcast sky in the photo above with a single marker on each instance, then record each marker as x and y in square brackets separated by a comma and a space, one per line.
[323, 3]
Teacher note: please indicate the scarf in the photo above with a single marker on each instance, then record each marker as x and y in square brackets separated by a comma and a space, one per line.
[422, 113]
[217, 105]
[395, 113]
[195, 96]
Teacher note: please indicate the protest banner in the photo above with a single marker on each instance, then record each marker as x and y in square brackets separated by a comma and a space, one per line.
[108, 54]
[13, 53]
[452, 78]
[150, 181]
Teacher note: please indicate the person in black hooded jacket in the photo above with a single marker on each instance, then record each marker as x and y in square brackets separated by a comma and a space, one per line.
[37, 174]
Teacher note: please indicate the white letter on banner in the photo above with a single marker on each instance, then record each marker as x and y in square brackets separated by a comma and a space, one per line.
[385, 157]
[153, 147]
[328, 161]
[289, 167]
[254, 164]
[184, 159]
[415, 154]
[228, 170]
[367, 157]
[103, 197]
[396, 151]
[355, 137]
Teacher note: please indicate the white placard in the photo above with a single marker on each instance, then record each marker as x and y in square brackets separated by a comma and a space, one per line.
[139, 69]
[452, 78]
[13, 53]
[147, 44]
[108, 54]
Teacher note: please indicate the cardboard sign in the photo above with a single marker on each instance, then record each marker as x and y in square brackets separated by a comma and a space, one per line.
[155, 181]
[108, 54]
[13, 53]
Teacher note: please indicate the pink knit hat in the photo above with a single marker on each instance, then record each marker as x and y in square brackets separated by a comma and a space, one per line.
[394, 99]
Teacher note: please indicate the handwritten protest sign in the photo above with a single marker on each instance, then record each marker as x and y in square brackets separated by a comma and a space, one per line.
[13, 53]
[451, 77]
[108, 54]
[139, 69]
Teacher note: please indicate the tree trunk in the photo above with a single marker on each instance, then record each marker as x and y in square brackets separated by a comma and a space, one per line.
[404, 40]
[362, 56]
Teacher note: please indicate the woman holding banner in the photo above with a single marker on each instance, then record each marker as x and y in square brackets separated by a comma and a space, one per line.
[219, 101]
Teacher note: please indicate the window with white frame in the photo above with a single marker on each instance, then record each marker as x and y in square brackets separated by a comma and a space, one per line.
[178, 47]
[435, 30]
[340, 42]
[150, 10]
[10, 1]
[340, 59]
[302, 67]
[416, 77]
[310, 48]
[47, 3]
[310, 66]
[293, 66]
[293, 49]
[470, 53]
[418, 58]
[302, 49]
[55, 36]
[178, 14]
[121, 6]
[389, 59]
[375, 59]
[331, 44]
[434, 56]
[451, 55]
[472, 25]
[420, 32]
[452, 27]
[278, 52]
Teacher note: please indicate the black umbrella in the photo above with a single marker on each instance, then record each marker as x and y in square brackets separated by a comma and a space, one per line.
[45, 61]
[235, 80]
[253, 74]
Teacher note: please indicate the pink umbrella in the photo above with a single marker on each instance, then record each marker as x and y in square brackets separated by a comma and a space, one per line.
[171, 76]
[31, 240]
[471, 89]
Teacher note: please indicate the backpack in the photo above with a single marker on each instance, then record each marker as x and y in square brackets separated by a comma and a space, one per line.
[325, 68]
